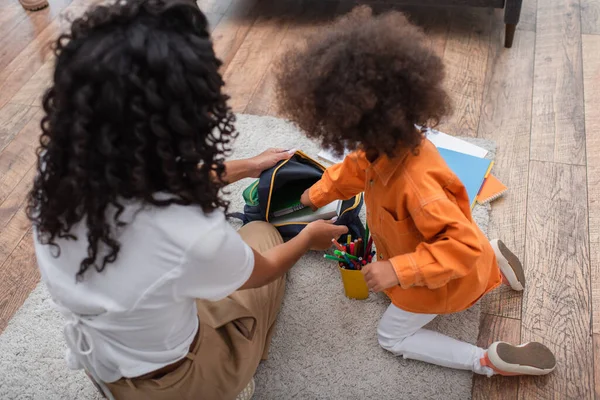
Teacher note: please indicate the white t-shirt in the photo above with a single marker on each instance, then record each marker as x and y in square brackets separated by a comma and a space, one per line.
[139, 314]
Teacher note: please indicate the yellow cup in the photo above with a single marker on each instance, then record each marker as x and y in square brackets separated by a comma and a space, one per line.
[354, 284]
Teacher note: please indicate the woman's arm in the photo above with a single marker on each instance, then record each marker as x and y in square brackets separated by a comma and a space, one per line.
[273, 263]
[252, 167]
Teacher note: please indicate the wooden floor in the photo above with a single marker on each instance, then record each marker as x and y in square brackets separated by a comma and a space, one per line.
[540, 102]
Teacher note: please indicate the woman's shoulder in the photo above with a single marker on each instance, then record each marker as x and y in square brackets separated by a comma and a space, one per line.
[184, 222]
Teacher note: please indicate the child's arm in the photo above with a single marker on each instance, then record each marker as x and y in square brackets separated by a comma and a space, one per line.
[450, 249]
[341, 181]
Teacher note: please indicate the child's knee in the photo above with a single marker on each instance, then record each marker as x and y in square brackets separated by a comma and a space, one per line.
[388, 339]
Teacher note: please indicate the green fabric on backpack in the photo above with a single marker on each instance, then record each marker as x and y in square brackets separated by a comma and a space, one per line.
[250, 194]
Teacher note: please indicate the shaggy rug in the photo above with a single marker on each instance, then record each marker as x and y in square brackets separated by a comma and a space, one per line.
[325, 346]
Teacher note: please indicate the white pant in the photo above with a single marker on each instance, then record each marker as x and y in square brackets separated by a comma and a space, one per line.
[401, 333]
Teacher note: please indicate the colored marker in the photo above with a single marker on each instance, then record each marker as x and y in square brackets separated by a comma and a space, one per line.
[360, 248]
[369, 245]
[339, 246]
[348, 261]
[349, 239]
[327, 256]
[352, 248]
[367, 237]
[342, 253]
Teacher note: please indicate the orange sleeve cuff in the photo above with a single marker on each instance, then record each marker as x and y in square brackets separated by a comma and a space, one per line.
[407, 271]
[318, 196]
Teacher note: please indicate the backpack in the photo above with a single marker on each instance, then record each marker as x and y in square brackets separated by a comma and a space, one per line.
[293, 177]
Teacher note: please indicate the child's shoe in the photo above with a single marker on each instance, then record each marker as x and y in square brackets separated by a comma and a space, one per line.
[527, 359]
[510, 266]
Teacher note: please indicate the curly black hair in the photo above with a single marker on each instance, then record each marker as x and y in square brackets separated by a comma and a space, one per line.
[135, 109]
[364, 82]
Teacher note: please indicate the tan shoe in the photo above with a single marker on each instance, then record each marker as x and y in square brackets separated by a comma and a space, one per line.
[248, 391]
[34, 5]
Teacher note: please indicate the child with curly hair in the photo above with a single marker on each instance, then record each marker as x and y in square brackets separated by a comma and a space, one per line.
[362, 85]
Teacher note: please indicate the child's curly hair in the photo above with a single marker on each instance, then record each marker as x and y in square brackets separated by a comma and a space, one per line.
[364, 82]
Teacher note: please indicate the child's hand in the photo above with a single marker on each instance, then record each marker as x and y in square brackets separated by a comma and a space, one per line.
[380, 275]
[305, 199]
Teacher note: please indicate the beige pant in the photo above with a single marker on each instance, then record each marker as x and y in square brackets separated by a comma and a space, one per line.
[234, 336]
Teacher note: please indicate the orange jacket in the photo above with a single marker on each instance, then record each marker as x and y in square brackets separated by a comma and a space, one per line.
[420, 218]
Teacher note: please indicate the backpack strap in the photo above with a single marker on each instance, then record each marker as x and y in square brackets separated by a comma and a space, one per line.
[238, 215]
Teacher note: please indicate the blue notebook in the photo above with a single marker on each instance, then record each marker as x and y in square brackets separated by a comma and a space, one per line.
[471, 171]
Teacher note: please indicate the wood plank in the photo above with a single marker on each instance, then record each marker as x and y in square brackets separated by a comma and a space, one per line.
[18, 37]
[19, 156]
[465, 58]
[528, 18]
[436, 23]
[30, 94]
[37, 52]
[557, 301]
[9, 211]
[506, 119]
[590, 17]
[13, 117]
[11, 15]
[247, 68]
[20, 276]
[232, 29]
[558, 127]
[214, 6]
[27, 63]
[263, 101]
[492, 329]
[213, 21]
[591, 87]
[17, 260]
[596, 366]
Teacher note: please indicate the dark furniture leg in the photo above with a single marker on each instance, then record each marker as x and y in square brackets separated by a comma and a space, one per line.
[509, 35]
[512, 12]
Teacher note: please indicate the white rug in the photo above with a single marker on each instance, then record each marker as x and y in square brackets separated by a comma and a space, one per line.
[325, 346]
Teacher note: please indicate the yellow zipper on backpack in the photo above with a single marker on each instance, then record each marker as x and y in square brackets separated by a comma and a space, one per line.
[301, 154]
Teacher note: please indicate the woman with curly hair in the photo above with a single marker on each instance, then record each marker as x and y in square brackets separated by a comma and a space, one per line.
[362, 85]
[163, 299]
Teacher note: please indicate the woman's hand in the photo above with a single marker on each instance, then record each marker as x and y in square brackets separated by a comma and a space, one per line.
[380, 275]
[319, 233]
[305, 199]
[267, 159]
[276, 261]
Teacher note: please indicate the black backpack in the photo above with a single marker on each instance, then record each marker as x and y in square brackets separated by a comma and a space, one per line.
[298, 174]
